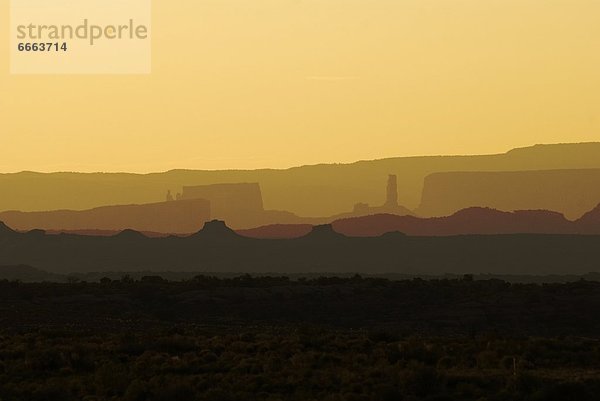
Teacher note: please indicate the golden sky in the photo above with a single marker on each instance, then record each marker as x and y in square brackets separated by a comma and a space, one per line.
[279, 83]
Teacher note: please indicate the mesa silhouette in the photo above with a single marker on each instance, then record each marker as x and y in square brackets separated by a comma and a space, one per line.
[240, 204]
[571, 192]
[320, 190]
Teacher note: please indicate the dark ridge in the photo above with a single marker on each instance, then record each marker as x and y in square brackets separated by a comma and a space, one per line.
[216, 230]
[470, 221]
[6, 230]
[130, 234]
[323, 232]
[590, 222]
[216, 248]
[35, 233]
[394, 234]
[277, 231]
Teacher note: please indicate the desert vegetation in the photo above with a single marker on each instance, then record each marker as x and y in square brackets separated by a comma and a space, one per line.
[322, 338]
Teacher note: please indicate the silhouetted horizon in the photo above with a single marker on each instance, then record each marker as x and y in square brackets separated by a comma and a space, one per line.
[218, 248]
[317, 190]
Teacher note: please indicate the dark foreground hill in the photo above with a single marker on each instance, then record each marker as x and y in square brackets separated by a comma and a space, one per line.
[216, 248]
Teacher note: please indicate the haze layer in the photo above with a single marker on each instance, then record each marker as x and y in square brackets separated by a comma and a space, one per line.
[280, 83]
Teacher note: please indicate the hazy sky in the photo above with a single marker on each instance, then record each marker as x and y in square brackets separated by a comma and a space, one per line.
[278, 83]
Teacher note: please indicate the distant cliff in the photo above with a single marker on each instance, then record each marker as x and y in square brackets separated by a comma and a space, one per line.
[240, 204]
[571, 192]
[320, 190]
[164, 217]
